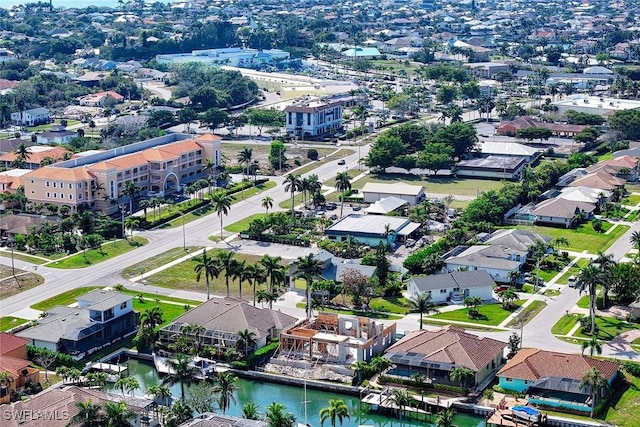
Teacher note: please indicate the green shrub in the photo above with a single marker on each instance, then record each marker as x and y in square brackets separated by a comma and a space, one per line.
[297, 162]
[61, 359]
[312, 154]
[632, 368]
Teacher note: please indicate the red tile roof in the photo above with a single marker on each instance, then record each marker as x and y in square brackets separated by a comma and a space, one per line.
[9, 342]
[13, 365]
[532, 364]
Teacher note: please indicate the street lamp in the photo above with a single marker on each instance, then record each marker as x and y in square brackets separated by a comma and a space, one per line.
[184, 236]
[122, 207]
[11, 242]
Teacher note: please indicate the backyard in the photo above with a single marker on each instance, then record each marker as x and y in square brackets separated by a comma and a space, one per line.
[583, 238]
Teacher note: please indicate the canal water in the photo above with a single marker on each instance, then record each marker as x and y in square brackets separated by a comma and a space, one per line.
[264, 393]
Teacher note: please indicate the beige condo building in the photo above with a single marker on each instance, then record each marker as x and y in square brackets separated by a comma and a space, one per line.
[156, 166]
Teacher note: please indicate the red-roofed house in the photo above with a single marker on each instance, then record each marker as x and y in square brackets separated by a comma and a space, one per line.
[98, 99]
[435, 353]
[13, 346]
[553, 379]
[13, 359]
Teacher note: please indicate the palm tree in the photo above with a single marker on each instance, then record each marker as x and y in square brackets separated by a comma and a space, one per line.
[593, 345]
[292, 184]
[226, 387]
[161, 394]
[461, 375]
[132, 222]
[246, 341]
[221, 203]
[240, 273]
[343, 183]
[277, 417]
[131, 190]
[183, 373]
[267, 203]
[210, 268]
[250, 411]
[445, 418]
[225, 262]
[89, 415]
[152, 317]
[421, 303]
[130, 384]
[589, 278]
[244, 158]
[22, 155]
[118, 414]
[255, 275]
[273, 271]
[401, 399]
[635, 239]
[336, 411]
[594, 382]
[605, 264]
[308, 269]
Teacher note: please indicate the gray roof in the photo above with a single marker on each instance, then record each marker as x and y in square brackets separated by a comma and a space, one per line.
[386, 205]
[39, 110]
[209, 419]
[492, 163]
[232, 315]
[515, 238]
[484, 257]
[60, 322]
[369, 224]
[101, 300]
[562, 208]
[568, 385]
[457, 279]
[395, 188]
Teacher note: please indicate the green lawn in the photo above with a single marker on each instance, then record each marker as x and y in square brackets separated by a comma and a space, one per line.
[162, 298]
[528, 313]
[48, 126]
[397, 305]
[351, 172]
[10, 322]
[583, 302]
[95, 256]
[493, 314]
[287, 203]
[243, 224]
[581, 239]
[565, 324]
[23, 257]
[632, 216]
[182, 276]
[65, 298]
[169, 311]
[631, 200]
[608, 328]
[344, 152]
[439, 185]
[574, 270]
[624, 406]
[157, 261]
[348, 312]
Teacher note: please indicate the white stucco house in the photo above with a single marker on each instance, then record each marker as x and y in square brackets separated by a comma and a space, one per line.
[497, 260]
[454, 286]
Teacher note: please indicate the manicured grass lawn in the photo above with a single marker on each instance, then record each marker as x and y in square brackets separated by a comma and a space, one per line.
[163, 298]
[608, 328]
[182, 276]
[48, 126]
[574, 270]
[624, 407]
[493, 314]
[565, 324]
[348, 312]
[10, 322]
[286, 204]
[65, 298]
[344, 152]
[351, 172]
[243, 224]
[636, 341]
[94, 256]
[397, 305]
[583, 302]
[475, 327]
[582, 238]
[528, 313]
[23, 257]
[157, 261]
[633, 216]
[606, 156]
[169, 311]
[551, 293]
[439, 185]
[631, 200]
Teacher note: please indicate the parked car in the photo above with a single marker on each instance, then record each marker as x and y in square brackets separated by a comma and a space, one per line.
[572, 281]
[320, 214]
[502, 288]
[357, 207]
[333, 217]
[409, 243]
[331, 206]
[341, 162]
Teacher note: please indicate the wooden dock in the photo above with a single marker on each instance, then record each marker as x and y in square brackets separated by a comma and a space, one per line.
[108, 367]
[505, 418]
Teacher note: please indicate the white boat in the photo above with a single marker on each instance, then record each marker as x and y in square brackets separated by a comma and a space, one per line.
[526, 413]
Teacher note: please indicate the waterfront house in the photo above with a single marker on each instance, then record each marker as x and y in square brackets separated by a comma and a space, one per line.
[435, 353]
[211, 419]
[100, 318]
[223, 318]
[553, 379]
[454, 286]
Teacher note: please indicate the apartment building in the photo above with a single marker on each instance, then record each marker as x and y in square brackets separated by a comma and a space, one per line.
[156, 166]
[314, 118]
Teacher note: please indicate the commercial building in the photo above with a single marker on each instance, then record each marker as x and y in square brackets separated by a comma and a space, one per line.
[493, 167]
[306, 119]
[595, 105]
[158, 166]
[375, 191]
[231, 56]
[372, 229]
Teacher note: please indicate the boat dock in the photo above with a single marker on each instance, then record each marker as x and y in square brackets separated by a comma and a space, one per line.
[108, 368]
[162, 366]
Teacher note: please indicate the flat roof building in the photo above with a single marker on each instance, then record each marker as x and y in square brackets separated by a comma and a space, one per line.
[231, 56]
[595, 105]
[494, 167]
[372, 229]
[313, 118]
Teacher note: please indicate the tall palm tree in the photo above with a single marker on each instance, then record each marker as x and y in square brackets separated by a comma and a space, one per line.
[131, 190]
[22, 155]
[161, 394]
[118, 414]
[594, 382]
[267, 203]
[152, 317]
[244, 158]
[273, 271]
[183, 373]
[343, 183]
[128, 384]
[421, 303]
[589, 279]
[246, 341]
[255, 275]
[401, 399]
[605, 264]
[593, 345]
[226, 387]
[277, 417]
[250, 411]
[221, 203]
[336, 411]
[313, 185]
[635, 239]
[132, 222]
[209, 267]
[244, 273]
[308, 269]
[292, 184]
[225, 262]
[445, 418]
[89, 415]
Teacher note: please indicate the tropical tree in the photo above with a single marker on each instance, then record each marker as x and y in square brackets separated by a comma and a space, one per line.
[461, 375]
[244, 158]
[292, 184]
[589, 279]
[152, 317]
[594, 382]
[226, 387]
[277, 416]
[267, 203]
[593, 345]
[182, 373]
[308, 269]
[250, 411]
[118, 414]
[445, 418]
[131, 190]
[246, 341]
[343, 183]
[273, 271]
[221, 203]
[336, 411]
[128, 384]
[421, 303]
[22, 155]
[209, 267]
[402, 399]
[161, 394]
[225, 262]
[89, 415]
[635, 239]
[132, 222]
[256, 275]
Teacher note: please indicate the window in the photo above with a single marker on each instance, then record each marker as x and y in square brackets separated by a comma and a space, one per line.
[47, 183]
[79, 185]
[71, 196]
[55, 195]
[508, 380]
[443, 291]
[308, 119]
[70, 186]
[48, 194]
[123, 305]
[79, 196]
[54, 185]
